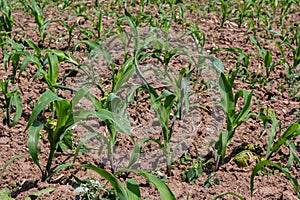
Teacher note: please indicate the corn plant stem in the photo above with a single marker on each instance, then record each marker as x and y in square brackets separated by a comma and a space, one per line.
[47, 173]
[8, 110]
[169, 161]
[111, 147]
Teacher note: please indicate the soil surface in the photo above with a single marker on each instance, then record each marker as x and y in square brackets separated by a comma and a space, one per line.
[23, 178]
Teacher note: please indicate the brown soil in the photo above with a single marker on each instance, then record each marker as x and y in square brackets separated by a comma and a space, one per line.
[22, 177]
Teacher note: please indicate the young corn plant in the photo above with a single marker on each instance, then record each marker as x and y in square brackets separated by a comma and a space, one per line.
[110, 103]
[225, 10]
[11, 98]
[6, 19]
[234, 118]
[10, 53]
[262, 164]
[242, 11]
[98, 24]
[47, 64]
[257, 11]
[171, 104]
[295, 49]
[164, 103]
[58, 129]
[168, 105]
[292, 74]
[288, 139]
[242, 64]
[70, 29]
[40, 20]
[268, 64]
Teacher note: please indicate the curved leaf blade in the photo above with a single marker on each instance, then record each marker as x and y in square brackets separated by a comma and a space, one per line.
[45, 99]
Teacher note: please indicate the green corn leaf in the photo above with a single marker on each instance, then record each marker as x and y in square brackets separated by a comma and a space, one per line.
[52, 75]
[62, 56]
[65, 119]
[15, 59]
[82, 92]
[121, 122]
[169, 102]
[9, 162]
[261, 164]
[272, 133]
[227, 99]
[17, 101]
[45, 99]
[36, 49]
[133, 190]
[222, 144]
[292, 131]
[228, 193]
[81, 143]
[268, 59]
[123, 74]
[241, 115]
[217, 63]
[33, 141]
[111, 178]
[39, 193]
[66, 140]
[265, 121]
[293, 154]
[115, 104]
[28, 58]
[164, 190]
[136, 151]
[5, 194]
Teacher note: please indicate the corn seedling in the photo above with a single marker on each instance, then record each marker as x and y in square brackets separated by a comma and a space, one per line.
[242, 64]
[98, 24]
[58, 129]
[233, 118]
[70, 29]
[10, 53]
[242, 11]
[292, 132]
[11, 98]
[50, 60]
[6, 19]
[259, 166]
[225, 6]
[110, 102]
[257, 11]
[40, 20]
[163, 105]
